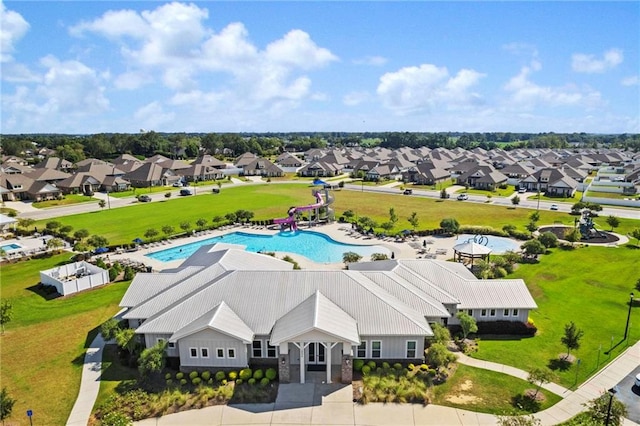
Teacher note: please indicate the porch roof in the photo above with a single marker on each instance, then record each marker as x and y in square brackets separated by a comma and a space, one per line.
[222, 319]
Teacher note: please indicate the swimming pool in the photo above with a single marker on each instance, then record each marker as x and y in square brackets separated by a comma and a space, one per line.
[10, 247]
[498, 245]
[315, 246]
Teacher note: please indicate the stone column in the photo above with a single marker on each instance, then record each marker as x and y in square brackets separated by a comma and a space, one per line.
[347, 369]
[284, 368]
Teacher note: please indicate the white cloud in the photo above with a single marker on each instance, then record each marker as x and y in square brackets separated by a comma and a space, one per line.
[356, 98]
[426, 87]
[528, 95]
[584, 63]
[153, 116]
[296, 48]
[18, 73]
[132, 80]
[371, 60]
[114, 24]
[14, 27]
[633, 80]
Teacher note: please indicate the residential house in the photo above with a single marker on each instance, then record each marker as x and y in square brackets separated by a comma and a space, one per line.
[482, 177]
[261, 167]
[552, 182]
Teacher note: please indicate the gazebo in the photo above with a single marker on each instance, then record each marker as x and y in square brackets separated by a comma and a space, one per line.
[470, 250]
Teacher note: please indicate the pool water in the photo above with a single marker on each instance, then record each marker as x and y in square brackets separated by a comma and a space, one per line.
[315, 246]
[9, 247]
[498, 245]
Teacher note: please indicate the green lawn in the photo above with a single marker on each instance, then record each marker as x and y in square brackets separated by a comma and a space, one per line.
[487, 391]
[43, 348]
[589, 286]
[67, 200]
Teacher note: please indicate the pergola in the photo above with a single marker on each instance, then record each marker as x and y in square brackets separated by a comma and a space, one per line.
[470, 250]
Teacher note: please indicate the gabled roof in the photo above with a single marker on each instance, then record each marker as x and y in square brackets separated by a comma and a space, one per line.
[221, 319]
[316, 313]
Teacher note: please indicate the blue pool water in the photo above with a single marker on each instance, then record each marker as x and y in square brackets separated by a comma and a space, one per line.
[498, 245]
[8, 247]
[315, 246]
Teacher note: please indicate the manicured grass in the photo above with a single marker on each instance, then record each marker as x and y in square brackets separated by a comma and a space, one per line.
[610, 195]
[67, 200]
[43, 348]
[273, 201]
[487, 391]
[589, 286]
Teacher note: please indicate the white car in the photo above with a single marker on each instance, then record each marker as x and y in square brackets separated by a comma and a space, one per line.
[554, 207]
[463, 197]
[637, 381]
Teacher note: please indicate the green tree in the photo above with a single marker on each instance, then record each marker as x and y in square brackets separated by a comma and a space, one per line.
[387, 226]
[81, 234]
[201, 223]
[438, 355]
[150, 233]
[109, 328]
[168, 230]
[152, 360]
[441, 334]
[443, 194]
[379, 256]
[572, 235]
[367, 222]
[533, 248]
[66, 229]
[413, 220]
[25, 223]
[539, 377]
[393, 217]
[6, 313]
[102, 204]
[548, 239]
[534, 216]
[6, 404]
[636, 234]
[96, 241]
[53, 225]
[515, 200]
[351, 257]
[467, 323]
[185, 226]
[348, 214]
[450, 225]
[571, 338]
[598, 409]
[55, 243]
[126, 340]
[613, 222]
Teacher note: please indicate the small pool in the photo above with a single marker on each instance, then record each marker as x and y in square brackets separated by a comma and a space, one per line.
[498, 245]
[10, 247]
[315, 246]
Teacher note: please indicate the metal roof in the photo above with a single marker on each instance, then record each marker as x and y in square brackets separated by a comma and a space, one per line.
[221, 319]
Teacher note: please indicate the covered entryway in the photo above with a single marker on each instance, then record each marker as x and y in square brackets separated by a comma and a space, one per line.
[312, 336]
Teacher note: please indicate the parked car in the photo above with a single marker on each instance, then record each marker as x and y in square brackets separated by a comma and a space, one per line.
[463, 197]
[637, 381]
[554, 207]
[177, 184]
[408, 191]
[185, 191]
[144, 198]
[522, 190]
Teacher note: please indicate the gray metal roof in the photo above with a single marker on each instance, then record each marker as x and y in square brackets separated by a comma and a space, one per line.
[146, 286]
[316, 313]
[221, 319]
[499, 294]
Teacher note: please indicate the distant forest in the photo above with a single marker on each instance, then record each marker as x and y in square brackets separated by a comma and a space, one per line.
[189, 145]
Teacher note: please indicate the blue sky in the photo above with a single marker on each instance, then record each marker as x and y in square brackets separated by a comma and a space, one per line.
[89, 67]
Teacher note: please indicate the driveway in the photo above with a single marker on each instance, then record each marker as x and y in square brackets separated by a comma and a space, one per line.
[629, 395]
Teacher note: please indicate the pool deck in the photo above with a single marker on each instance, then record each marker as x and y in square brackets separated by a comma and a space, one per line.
[410, 248]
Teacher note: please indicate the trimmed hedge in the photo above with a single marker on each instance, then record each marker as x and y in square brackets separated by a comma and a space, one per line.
[271, 374]
[515, 328]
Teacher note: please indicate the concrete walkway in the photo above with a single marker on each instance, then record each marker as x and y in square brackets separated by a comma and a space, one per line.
[310, 404]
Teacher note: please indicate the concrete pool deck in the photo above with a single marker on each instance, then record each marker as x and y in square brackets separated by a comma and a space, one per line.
[438, 247]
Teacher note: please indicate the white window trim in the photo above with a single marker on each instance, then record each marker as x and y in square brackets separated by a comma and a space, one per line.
[366, 348]
[269, 346]
[171, 345]
[492, 312]
[191, 350]
[505, 312]
[415, 349]
[470, 312]
[379, 350]
[253, 355]
[483, 312]
[229, 353]
[515, 312]
[218, 350]
[202, 354]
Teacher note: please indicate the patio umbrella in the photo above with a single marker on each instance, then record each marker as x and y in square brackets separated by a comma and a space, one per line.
[319, 182]
[101, 250]
[138, 241]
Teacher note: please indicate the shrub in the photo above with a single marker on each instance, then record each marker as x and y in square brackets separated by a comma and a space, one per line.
[210, 382]
[167, 376]
[358, 364]
[224, 381]
[271, 373]
[438, 356]
[196, 381]
[372, 365]
[397, 366]
[193, 375]
[220, 376]
[183, 382]
[239, 382]
[169, 382]
[179, 375]
[424, 367]
[205, 375]
[366, 370]
[252, 381]
[113, 274]
[264, 382]
[385, 365]
[233, 375]
[258, 374]
[115, 418]
[245, 374]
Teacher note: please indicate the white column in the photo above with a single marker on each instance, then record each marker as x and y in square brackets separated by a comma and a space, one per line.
[327, 348]
[302, 364]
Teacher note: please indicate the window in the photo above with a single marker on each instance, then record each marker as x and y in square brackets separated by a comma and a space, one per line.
[256, 349]
[231, 353]
[505, 313]
[483, 312]
[514, 312]
[376, 349]
[172, 345]
[272, 351]
[411, 348]
[361, 352]
[204, 352]
[219, 353]
[470, 312]
[492, 312]
[193, 352]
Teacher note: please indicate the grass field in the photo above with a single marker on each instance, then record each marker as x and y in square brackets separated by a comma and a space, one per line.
[43, 348]
[67, 200]
[487, 392]
[589, 286]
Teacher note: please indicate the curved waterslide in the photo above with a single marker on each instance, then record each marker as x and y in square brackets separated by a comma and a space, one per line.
[291, 219]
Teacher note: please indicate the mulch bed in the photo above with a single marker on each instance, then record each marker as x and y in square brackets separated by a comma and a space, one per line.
[603, 238]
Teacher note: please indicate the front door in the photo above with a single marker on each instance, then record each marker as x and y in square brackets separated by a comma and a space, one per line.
[315, 354]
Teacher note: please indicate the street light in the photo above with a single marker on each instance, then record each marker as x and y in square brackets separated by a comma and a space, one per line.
[611, 392]
[626, 327]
